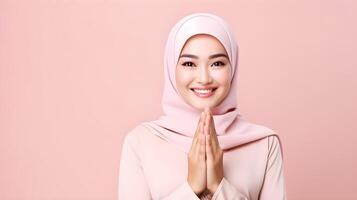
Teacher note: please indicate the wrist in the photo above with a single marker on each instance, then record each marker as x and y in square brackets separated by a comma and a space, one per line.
[194, 189]
[214, 186]
[197, 192]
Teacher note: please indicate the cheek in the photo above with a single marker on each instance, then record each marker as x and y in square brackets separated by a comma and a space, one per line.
[183, 78]
[222, 77]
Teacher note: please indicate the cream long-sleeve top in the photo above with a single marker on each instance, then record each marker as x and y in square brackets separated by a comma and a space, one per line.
[152, 168]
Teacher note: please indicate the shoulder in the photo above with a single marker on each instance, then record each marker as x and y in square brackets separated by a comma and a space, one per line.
[135, 136]
[135, 132]
[275, 145]
[272, 140]
[272, 137]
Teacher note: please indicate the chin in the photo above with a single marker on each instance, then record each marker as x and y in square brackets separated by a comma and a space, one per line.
[202, 105]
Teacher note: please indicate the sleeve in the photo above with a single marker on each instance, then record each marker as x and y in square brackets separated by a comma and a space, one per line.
[227, 191]
[184, 191]
[273, 186]
[274, 183]
[132, 181]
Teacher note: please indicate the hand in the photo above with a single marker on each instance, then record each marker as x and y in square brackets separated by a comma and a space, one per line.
[214, 154]
[197, 176]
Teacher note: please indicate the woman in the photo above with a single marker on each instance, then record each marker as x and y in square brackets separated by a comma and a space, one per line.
[201, 148]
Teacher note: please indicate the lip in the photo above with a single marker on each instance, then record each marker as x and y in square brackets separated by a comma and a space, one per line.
[203, 88]
[204, 95]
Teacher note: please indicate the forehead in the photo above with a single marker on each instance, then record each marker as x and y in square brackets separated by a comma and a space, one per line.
[203, 44]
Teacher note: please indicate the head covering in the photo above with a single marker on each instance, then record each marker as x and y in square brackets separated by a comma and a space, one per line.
[179, 122]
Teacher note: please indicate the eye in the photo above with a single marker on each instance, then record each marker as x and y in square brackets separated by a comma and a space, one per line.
[187, 64]
[218, 63]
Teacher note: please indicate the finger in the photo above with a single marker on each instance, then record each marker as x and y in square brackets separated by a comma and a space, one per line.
[207, 123]
[195, 137]
[212, 133]
[209, 151]
[199, 128]
[202, 147]
[209, 136]
[207, 110]
[198, 140]
[213, 128]
[198, 124]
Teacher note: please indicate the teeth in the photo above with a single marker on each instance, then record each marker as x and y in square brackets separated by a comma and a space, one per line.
[203, 91]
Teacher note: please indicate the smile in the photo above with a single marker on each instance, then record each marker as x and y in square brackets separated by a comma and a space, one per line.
[203, 93]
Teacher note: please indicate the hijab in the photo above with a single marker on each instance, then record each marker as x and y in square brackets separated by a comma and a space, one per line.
[179, 122]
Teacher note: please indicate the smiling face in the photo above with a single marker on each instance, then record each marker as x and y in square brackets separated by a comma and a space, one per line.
[203, 72]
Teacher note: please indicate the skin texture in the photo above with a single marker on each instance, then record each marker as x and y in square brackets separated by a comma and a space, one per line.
[203, 71]
[205, 158]
[197, 167]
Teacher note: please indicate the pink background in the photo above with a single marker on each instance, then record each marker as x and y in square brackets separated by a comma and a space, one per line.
[76, 76]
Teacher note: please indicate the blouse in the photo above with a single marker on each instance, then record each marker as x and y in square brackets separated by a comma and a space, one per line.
[152, 168]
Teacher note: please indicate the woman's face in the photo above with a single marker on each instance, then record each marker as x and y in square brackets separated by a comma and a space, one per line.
[203, 72]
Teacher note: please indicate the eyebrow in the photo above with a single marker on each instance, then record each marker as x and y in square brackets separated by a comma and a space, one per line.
[210, 57]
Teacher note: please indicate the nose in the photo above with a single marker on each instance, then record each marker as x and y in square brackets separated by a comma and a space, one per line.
[204, 75]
